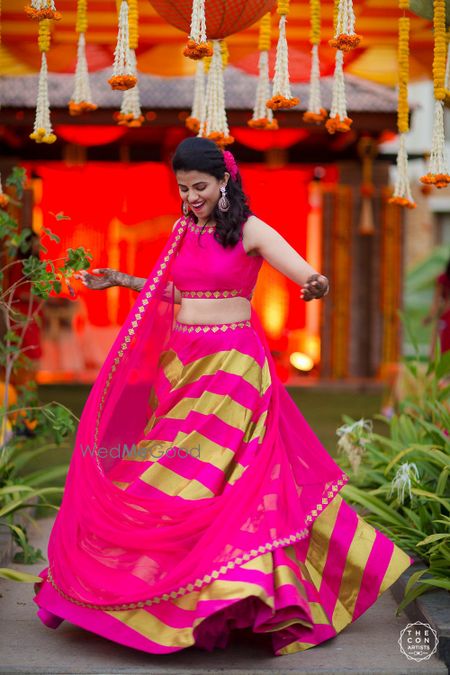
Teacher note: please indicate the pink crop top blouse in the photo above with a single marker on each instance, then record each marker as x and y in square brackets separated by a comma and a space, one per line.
[203, 268]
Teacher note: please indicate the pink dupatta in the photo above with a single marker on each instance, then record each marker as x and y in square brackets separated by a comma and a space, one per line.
[113, 550]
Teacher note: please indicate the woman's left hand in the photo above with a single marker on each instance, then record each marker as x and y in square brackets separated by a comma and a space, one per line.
[315, 287]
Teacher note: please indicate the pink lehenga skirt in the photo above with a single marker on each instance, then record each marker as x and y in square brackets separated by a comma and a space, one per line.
[211, 400]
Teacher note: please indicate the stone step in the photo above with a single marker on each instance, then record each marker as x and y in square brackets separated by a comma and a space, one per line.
[27, 647]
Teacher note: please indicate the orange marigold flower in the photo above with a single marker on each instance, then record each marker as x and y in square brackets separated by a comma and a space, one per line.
[402, 201]
[345, 42]
[426, 190]
[279, 101]
[335, 124]
[260, 123]
[193, 124]
[41, 136]
[220, 139]
[81, 107]
[263, 123]
[136, 121]
[122, 82]
[318, 118]
[4, 200]
[128, 120]
[197, 50]
[39, 14]
[439, 180]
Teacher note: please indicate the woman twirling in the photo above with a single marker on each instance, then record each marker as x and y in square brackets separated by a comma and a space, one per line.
[198, 499]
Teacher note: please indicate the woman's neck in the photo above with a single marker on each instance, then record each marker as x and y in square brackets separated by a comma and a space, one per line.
[206, 221]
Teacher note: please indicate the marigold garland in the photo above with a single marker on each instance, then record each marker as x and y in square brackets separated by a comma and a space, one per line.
[402, 191]
[123, 77]
[81, 98]
[403, 74]
[262, 117]
[133, 24]
[42, 9]
[437, 173]
[447, 69]
[343, 21]
[281, 90]
[130, 114]
[338, 120]
[214, 124]
[197, 46]
[345, 37]
[42, 130]
[198, 105]
[315, 112]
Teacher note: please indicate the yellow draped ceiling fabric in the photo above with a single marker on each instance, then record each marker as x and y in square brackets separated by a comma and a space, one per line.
[161, 45]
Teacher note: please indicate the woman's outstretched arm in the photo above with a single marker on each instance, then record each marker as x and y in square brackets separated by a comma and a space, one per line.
[264, 239]
[113, 277]
[110, 278]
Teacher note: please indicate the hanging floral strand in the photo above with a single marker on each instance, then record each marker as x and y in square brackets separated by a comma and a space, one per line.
[197, 45]
[339, 120]
[4, 199]
[214, 125]
[281, 91]
[43, 132]
[123, 77]
[130, 114]
[345, 37]
[315, 112]
[198, 106]
[262, 115]
[437, 174]
[447, 69]
[42, 9]
[402, 190]
[81, 97]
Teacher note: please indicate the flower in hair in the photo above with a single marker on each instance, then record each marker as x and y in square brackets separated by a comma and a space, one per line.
[230, 164]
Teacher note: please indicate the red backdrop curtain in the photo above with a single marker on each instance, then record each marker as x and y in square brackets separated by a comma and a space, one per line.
[123, 213]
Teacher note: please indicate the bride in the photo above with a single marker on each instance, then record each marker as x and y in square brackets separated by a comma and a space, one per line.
[198, 499]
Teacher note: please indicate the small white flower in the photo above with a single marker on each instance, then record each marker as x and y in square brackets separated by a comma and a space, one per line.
[402, 480]
[353, 439]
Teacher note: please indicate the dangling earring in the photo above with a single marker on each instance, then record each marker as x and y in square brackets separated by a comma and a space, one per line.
[185, 208]
[224, 202]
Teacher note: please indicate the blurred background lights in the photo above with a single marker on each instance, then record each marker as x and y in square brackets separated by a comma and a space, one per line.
[301, 361]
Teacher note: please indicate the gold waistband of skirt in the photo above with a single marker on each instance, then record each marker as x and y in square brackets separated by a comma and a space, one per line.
[210, 327]
[213, 295]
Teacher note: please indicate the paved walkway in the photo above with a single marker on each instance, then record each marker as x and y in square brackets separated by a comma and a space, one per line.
[369, 645]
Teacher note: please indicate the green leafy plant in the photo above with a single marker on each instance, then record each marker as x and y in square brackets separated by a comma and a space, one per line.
[401, 479]
[28, 429]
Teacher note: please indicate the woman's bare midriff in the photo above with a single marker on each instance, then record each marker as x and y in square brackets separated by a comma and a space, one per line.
[220, 310]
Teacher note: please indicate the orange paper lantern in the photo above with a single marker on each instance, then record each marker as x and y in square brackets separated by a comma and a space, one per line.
[223, 17]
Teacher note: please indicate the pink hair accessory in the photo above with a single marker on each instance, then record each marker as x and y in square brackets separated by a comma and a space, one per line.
[230, 164]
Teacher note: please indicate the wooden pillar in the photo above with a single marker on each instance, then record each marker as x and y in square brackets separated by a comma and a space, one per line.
[360, 327]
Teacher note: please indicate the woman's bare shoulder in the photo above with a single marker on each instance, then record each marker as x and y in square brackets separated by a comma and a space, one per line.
[255, 232]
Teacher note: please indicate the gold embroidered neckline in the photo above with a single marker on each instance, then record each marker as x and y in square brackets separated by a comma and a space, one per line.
[195, 227]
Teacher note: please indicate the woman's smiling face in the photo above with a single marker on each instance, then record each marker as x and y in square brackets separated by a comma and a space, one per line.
[200, 190]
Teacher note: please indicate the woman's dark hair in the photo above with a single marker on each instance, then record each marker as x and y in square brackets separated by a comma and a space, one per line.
[201, 154]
